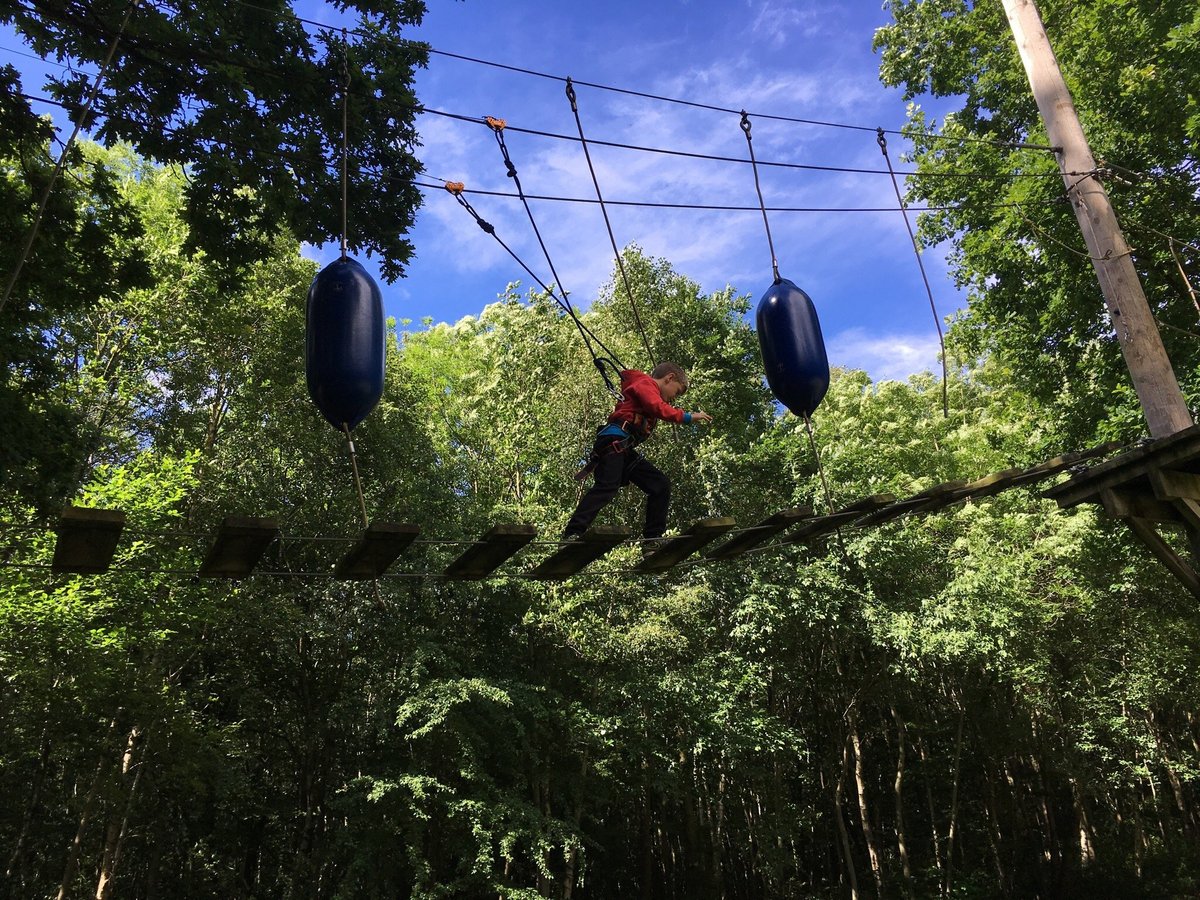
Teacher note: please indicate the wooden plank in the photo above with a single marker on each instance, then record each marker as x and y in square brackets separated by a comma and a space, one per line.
[676, 549]
[767, 528]
[87, 539]
[1125, 503]
[1167, 556]
[824, 524]
[572, 556]
[1182, 448]
[487, 554]
[240, 543]
[990, 485]
[931, 498]
[1172, 484]
[380, 545]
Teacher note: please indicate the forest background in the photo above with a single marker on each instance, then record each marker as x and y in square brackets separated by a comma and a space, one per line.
[997, 701]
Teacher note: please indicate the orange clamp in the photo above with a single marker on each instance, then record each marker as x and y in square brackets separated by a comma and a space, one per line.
[456, 187]
[494, 123]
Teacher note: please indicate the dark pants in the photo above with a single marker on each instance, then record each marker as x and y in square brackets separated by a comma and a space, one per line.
[614, 470]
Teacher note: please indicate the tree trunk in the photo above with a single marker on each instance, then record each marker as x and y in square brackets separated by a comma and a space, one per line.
[85, 817]
[572, 854]
[898, 789]
[1087, 843]
[864, 812]
[118, 827]
[952, 836]
[839, 817]
[995, 837]
[13, 873]
[937, 837]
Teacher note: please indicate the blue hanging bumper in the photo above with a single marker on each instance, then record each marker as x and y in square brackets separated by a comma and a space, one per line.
[793, 350]
[344, 344]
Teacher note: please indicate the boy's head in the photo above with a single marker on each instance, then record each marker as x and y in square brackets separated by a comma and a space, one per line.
[672, 381]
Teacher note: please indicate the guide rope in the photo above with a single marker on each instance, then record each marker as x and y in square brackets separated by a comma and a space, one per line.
[456, 189]
[758, 187]
[345, 130]
[637, 317]
[882, 141]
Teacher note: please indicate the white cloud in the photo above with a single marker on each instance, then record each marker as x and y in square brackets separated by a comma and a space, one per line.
[887, 357]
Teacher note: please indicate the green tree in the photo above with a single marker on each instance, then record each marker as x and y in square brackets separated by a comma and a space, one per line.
[248, 100]
[1033, 300]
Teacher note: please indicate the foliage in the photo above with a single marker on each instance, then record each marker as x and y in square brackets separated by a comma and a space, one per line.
[249, 101]
[1018, 677]
[1034, 304]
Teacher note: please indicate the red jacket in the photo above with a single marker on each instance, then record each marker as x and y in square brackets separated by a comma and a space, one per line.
[642, 405]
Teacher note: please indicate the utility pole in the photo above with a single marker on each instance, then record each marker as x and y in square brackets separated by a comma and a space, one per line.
[1153, 378]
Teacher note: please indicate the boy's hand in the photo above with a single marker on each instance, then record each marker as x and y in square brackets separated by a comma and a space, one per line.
[701, 416]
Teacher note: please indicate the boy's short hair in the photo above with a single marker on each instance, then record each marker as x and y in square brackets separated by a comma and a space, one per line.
[663, 369]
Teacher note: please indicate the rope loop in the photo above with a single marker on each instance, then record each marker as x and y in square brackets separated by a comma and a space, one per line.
[571, 94]
[881, 140]
[494, 123]
[746, 123]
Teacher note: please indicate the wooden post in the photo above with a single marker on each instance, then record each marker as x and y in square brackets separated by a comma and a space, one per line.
[1153, 378]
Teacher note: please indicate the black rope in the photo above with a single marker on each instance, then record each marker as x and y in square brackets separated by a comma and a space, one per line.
[345, 138]
[761, 204]
[456, 189]
[497, 126]
[632, 93]
[687, 154]
[637, 317]
[882, 141]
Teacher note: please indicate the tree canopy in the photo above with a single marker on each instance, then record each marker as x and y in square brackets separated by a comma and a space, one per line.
[1033, 299]
[247, 97]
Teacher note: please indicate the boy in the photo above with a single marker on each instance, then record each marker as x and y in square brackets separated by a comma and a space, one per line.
[644, 400]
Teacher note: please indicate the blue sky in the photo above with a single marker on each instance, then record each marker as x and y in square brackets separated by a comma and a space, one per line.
[811, 61]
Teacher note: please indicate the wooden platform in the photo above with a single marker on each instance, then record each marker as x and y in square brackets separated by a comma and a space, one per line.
[1155, 482]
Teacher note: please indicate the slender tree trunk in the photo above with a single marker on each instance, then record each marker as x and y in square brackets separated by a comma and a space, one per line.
[118, 827]
[952, 836]
[995, 837]
[13, 873]
[864, 812]
[572, 855]
[839, 816]
[898, 789]
[85, 817]
[937, 837]
[1087, 844]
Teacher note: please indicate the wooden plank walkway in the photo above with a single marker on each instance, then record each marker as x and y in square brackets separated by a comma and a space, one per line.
[1158, 481]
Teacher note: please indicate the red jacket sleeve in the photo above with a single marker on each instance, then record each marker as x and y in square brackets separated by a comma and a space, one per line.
[644, 393]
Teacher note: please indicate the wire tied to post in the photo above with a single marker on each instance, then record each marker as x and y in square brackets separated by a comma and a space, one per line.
[881, 139]
[637, 316]
[758, 187]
